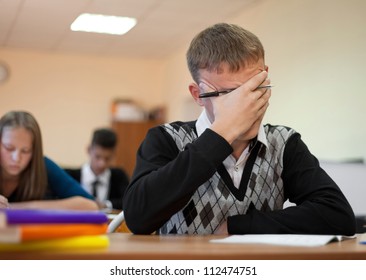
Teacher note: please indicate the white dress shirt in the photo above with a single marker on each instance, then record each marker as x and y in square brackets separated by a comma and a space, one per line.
[87, 179]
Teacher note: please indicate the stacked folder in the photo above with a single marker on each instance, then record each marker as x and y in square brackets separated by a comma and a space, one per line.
[36, 229]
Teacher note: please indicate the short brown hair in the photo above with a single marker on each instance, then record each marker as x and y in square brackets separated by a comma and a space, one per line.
[223, 43]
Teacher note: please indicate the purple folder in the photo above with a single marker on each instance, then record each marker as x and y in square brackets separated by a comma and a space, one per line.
[40, 216]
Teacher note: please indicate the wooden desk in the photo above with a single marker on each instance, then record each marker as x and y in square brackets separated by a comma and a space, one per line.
[175, 247]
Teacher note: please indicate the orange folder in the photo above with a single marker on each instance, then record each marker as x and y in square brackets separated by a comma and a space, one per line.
[30, 232]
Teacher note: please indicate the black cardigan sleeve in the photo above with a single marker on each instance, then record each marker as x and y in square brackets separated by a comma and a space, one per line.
[321, 207]
[165, 178]
[118, 184]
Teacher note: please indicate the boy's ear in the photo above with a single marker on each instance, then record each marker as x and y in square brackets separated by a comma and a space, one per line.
[195, 92]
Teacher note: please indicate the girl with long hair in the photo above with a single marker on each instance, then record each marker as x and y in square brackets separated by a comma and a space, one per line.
[28, 179]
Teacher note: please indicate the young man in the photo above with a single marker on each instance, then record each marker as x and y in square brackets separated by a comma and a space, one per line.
[97, 176]
[226, 172]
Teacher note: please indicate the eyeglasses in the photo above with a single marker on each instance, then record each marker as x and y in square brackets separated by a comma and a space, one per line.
[223, 92]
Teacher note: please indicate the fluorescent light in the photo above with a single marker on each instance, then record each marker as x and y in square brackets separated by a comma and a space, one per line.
[103, 24]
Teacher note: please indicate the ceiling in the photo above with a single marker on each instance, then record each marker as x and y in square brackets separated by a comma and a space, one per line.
[163, 25]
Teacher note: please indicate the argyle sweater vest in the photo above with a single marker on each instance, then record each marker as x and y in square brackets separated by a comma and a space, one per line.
[213, 201]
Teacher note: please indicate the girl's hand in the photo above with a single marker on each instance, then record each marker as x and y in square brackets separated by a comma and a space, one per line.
[4, 202]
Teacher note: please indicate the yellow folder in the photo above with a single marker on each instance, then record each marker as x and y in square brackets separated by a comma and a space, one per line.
[70, 243]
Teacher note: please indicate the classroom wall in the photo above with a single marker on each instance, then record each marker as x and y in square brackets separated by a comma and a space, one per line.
[71, 94]
[315, 50]
[316, 53]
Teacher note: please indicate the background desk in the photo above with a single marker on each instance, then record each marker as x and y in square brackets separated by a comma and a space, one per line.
[175, 247]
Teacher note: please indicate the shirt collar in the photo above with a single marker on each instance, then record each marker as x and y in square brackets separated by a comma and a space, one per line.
[203, 122]
[90, 177]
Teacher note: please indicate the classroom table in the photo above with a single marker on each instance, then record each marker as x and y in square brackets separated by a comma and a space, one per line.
[192, 247]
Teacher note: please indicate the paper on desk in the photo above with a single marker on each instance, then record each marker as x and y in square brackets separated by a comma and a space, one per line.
[308, 240]
[363, 238]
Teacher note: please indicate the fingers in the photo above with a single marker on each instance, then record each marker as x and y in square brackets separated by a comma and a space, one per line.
[261, 99]
[262, 92]
[252, 86]
[257, 80]
[263, 109]
[261, 105]
[4, 202]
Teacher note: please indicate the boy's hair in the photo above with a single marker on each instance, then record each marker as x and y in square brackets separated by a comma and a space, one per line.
[223, 43]
[104, 137]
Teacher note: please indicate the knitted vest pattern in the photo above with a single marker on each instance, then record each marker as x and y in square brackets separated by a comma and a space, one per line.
[213, 202]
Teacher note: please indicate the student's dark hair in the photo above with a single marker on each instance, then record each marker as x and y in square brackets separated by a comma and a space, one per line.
[104, 137]
[223, 43]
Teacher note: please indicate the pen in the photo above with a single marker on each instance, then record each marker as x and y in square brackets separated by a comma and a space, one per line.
[265, 86]
[219, 93]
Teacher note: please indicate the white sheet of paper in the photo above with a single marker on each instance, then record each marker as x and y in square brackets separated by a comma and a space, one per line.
[307, 240]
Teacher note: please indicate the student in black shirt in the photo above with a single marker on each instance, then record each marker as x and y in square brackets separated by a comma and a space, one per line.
[107, 184]
[226, 172]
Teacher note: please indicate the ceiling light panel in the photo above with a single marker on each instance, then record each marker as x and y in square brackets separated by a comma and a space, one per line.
[103, 24]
